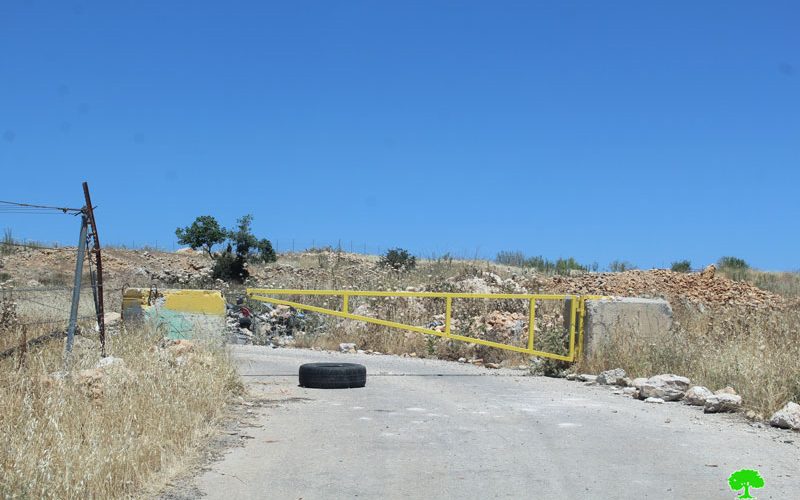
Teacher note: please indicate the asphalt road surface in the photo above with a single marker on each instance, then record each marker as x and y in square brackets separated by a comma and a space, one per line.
[433, 429]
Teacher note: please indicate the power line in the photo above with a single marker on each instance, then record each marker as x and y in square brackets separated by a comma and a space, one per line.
[42, 207]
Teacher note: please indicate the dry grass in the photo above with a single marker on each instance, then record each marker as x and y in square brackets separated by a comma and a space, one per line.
[756, 351]
[59, 440]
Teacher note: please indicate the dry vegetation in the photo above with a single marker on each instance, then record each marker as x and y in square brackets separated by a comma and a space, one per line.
[726, 332]
[108, 435]
[756, 351]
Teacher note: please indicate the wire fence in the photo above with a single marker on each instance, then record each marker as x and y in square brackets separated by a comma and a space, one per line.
[33, 312]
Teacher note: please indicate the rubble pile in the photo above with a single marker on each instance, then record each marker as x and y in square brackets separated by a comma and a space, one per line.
[164, 268]
[703, 288]
[500, 326]
[271, 325]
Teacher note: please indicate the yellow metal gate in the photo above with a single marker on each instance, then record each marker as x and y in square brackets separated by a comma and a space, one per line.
[576, 312]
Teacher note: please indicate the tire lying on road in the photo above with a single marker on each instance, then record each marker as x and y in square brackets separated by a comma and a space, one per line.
[333, 375]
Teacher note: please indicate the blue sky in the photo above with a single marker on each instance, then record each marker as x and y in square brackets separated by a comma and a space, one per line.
[639, 131]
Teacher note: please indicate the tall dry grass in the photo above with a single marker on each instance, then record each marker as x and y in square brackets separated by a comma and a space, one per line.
[109, 438]
[756, 351]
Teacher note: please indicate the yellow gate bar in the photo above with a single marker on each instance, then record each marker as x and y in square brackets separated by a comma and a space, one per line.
[577, 309]
[433, 295]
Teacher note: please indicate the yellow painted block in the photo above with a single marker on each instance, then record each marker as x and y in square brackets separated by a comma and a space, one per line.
[135, 297]
[194, 301]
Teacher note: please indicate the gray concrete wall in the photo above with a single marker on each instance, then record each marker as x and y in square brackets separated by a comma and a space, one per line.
[606, 319]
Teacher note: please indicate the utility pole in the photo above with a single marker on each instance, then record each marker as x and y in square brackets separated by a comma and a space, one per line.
[98, 263]
[76, 290]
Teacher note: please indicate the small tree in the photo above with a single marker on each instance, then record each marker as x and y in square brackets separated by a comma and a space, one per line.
[243, 247]
[745, 478]
[247, 245]
[205, 232]
[265, 251]
[398, 259]
[681, 266]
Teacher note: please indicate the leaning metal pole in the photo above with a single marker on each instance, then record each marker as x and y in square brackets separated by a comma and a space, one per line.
[97, 281]
[76, 290]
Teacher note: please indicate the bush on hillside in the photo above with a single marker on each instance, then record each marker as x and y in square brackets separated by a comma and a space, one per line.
[681, 266]
[398, 259]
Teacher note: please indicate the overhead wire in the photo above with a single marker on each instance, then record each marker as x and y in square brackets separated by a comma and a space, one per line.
[18, 205]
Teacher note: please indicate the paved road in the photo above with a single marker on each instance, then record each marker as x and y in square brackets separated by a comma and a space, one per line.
[432, 429]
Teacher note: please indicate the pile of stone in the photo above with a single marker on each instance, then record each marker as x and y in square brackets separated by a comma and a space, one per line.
[669, 387]
[702, 288]
[163, 268]
[500, 326]
[666, 387]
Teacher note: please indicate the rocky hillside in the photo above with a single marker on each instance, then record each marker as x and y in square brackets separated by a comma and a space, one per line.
[314, 270]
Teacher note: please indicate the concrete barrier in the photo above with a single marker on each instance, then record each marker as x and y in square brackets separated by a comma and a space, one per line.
[608, 319]
[177, 314]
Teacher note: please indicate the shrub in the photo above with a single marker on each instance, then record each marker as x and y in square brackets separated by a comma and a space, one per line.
[398, 259]
[619, 266]
[733, 267]
[732, 263]
[565, 266]
[511, 258]
[681, 266]
[229, 266]
[541, 264]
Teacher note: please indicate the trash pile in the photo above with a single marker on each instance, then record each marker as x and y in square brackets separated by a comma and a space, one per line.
[268, 324]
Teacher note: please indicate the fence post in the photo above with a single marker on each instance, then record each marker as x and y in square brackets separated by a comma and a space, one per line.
[76, 290]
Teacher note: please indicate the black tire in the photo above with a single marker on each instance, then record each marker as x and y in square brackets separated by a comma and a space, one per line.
[333, 375]
[245, 322]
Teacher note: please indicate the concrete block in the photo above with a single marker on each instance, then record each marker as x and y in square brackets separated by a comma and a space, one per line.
[177, 314]
[609, 319]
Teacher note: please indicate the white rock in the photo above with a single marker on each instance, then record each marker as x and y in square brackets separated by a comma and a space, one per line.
[572, 376]
[720, 403]
[630, 391]
[612, 377]
[638, 382]
[697, 395]
[787, 418]
[585, 377]
[111, 319]
[668, 387]
[726, 390]
[110, 361]
[654, 400]
[347, 347]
